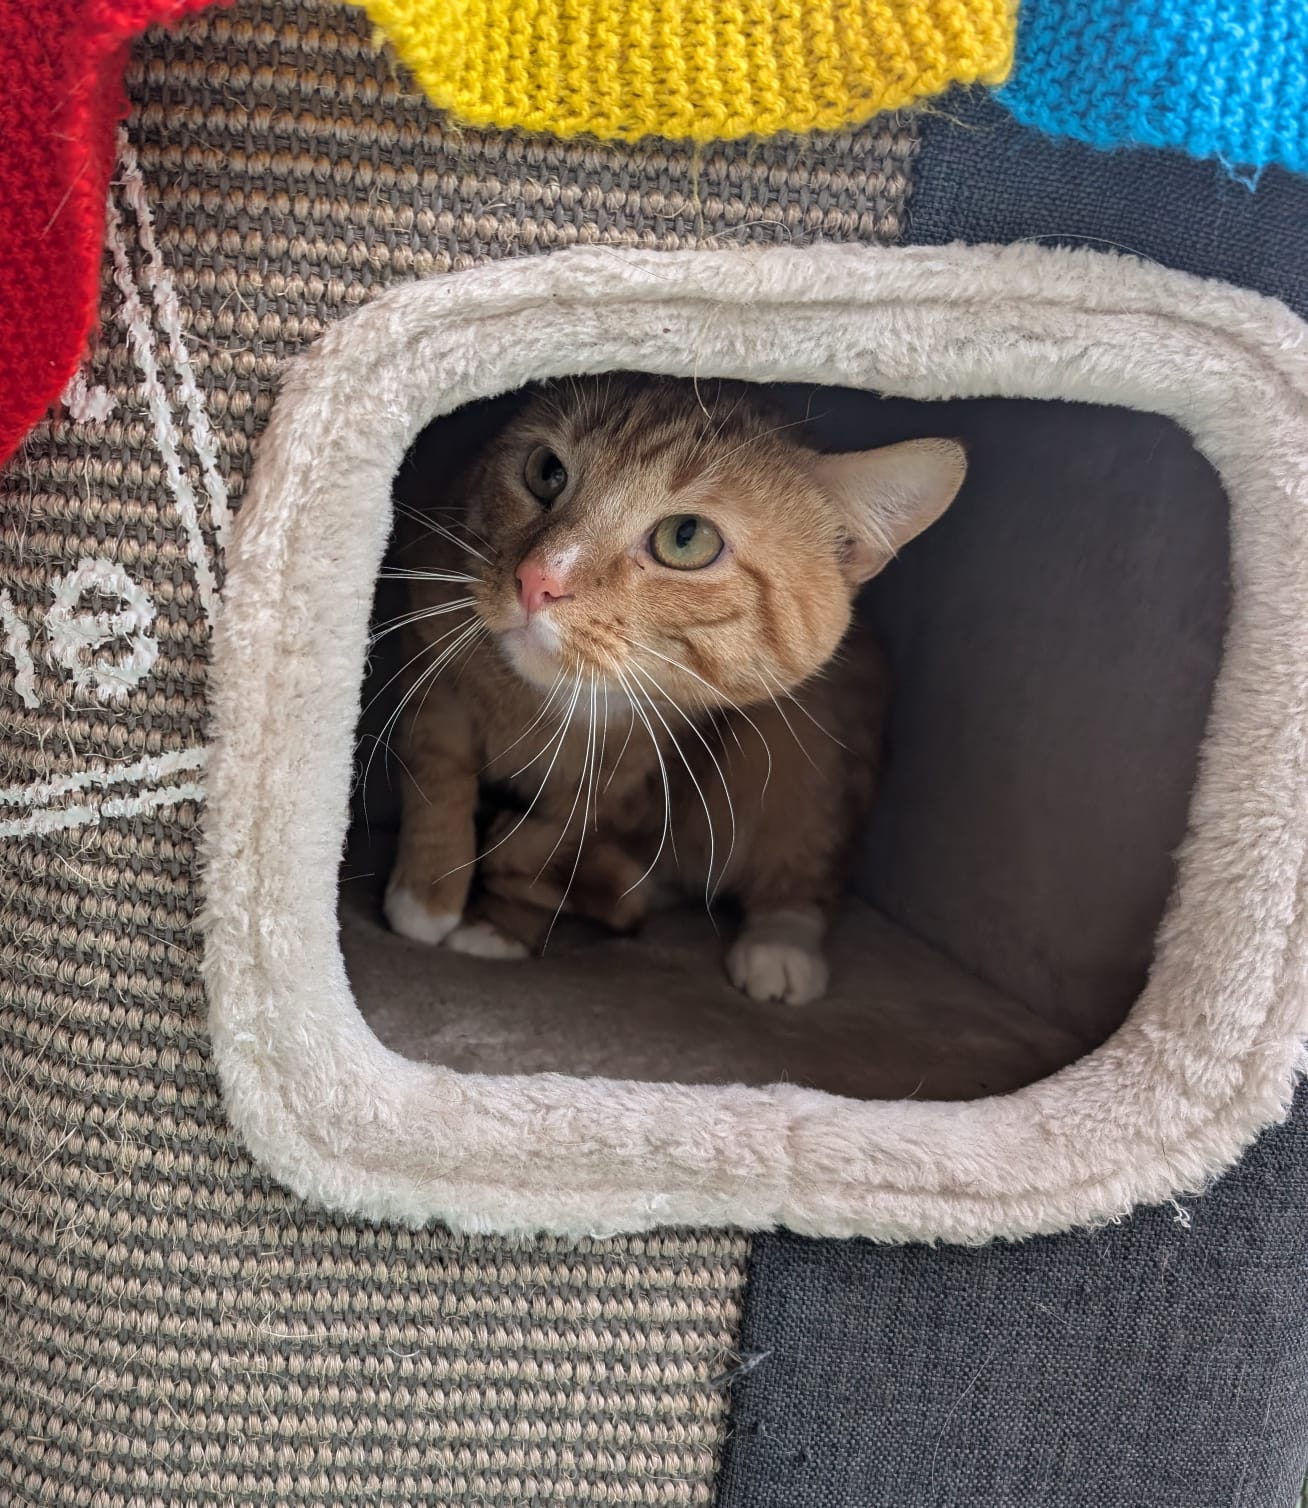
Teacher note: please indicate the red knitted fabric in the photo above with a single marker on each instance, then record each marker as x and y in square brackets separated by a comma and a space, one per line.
[61, 97]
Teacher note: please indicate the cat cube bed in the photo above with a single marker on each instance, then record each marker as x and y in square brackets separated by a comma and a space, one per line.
[1098, 659]
[1205, 1057]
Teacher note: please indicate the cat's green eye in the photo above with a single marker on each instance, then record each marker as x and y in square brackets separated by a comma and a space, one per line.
[545, 475]
[685, 542]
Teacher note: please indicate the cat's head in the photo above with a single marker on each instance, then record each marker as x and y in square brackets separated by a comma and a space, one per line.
[680, 539]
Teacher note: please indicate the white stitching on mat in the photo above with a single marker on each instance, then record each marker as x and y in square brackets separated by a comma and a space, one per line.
[151, 768]
[18, 648]
[140, 338]
[170, 317]
[75, 636]
[86, 402]
[83, 816]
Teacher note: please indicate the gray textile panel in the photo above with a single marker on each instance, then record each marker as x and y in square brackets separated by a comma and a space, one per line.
[982, 177]
[1053, 642]
[1147, 1365]
[1157, 1363]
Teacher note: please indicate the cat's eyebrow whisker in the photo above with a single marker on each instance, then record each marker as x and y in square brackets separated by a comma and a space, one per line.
[710, 889]
[754, 439]
[704, 439]
[438, 528]
[663, 771]
[791, 697]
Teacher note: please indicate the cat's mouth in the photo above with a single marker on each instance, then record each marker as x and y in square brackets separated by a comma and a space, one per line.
[534, 649]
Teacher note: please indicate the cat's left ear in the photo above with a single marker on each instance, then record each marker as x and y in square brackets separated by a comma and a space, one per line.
[888, 496]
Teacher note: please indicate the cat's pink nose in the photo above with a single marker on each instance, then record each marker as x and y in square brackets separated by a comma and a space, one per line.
[538, 587]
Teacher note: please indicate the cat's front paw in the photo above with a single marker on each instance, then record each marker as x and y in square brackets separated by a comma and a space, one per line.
[481, 940]
[407, 915]
[778, 956]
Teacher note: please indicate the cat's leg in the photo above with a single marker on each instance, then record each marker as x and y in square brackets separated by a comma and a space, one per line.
[429, 882]
[792, 818]
[777, 955]
[527, 862]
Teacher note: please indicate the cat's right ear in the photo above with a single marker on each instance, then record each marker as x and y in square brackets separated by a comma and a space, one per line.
[888, 496]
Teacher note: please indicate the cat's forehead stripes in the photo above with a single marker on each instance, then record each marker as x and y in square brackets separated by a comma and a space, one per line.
[644, 421]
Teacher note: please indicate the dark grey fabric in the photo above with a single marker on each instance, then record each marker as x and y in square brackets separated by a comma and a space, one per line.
[982, 177]
[1152, 1364]
[1159, 1363]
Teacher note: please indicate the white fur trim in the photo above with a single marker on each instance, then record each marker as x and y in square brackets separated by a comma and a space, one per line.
[1210, 1052]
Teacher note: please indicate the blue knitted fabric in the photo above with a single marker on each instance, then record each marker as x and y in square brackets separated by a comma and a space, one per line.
[1226, 79]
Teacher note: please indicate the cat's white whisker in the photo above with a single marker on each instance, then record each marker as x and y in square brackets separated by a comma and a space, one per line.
[781, 713]
[461, 522]
[720, 696]
[418, 517]
[581, 781]
[604, 743]
[415, 573]
[531, 726]
[663, 771]
[556, 741]
[425, 649]
[393, 625]
[631, 728]
[545, 748]
[710, 889]
[589, 773]
[462, 648]
[791, 697]
[424, 678]
[726, 791]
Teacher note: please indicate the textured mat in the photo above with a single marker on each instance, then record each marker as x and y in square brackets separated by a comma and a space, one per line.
[900, 1019]
[175, 1329]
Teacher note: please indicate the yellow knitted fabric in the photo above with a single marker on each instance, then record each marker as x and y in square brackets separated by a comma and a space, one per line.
[697, 69]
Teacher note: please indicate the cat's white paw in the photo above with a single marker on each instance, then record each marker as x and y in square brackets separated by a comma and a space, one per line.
[410, 918]
[481, 940]
[778, 956]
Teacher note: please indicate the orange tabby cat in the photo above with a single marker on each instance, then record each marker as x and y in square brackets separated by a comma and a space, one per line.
[628, 630]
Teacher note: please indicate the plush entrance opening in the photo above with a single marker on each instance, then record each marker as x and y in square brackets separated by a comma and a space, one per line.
[1049, 705]
[1054, 642]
